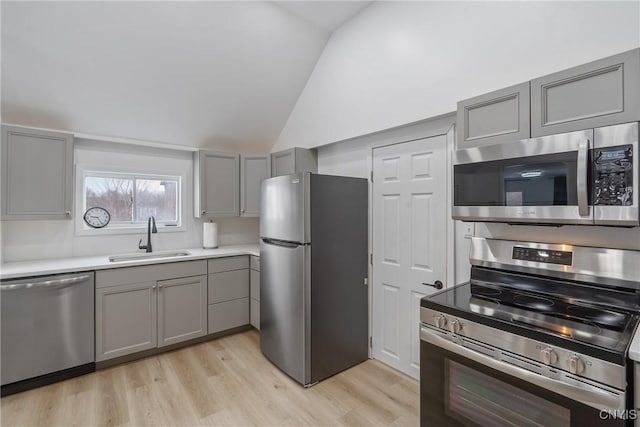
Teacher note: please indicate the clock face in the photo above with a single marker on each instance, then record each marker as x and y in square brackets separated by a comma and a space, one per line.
[97, 217]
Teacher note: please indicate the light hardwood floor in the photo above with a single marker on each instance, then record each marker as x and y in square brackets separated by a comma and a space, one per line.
[222, 382]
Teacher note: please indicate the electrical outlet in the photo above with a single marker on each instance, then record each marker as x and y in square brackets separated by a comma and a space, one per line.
[469, 229]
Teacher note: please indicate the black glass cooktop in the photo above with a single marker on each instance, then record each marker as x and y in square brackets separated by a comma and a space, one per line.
[579, 317]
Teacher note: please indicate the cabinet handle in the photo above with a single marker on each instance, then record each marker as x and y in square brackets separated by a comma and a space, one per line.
[159, 286]
[204, 212]
[67, 213]
[153, 287]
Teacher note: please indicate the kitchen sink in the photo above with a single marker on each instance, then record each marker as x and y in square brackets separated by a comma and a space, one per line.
[135, 257]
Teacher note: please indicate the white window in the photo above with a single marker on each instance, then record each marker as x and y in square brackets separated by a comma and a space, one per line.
[132, 198]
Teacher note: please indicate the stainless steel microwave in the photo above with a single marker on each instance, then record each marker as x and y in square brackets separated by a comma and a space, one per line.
[584, 177]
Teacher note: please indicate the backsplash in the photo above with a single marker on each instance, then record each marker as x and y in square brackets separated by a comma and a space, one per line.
[30, 240]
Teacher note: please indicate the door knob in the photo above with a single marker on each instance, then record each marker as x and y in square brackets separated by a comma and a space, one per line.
[437, 284]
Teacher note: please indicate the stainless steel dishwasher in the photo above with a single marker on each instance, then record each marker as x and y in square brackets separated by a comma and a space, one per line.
[47, 330]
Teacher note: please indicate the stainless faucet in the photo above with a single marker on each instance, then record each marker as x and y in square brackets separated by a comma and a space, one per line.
[150, 229]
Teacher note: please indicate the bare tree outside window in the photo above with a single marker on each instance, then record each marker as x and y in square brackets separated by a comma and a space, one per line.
[156, 198]
[133, 199]
[113, 194]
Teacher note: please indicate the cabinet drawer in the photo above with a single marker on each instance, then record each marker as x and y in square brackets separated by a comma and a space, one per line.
[599, 93]
[255, 285]
[255, 313]
[228, 285]
[228, 263]
[229, 314]
[255, 263]
[495, 117]
[172, 270]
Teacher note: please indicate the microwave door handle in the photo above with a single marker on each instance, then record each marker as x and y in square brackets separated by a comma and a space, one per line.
[582, 172]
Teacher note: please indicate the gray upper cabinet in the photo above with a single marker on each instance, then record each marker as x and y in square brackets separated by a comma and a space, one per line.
[254, 169]
[294, 160]
[216, 184]
[599, 93]
[495, 117]
[37, 174]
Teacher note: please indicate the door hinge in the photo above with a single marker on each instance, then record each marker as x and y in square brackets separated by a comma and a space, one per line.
[366, 281]
[371, 258]
[370, 342]
[371, 176]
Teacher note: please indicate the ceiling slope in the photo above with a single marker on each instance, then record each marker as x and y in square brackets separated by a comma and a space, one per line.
[200, 74]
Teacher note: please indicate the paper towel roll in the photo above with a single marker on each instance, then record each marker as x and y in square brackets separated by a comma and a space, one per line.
[209, 235]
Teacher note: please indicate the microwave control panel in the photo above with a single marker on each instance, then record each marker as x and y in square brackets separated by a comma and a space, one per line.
[613, 176]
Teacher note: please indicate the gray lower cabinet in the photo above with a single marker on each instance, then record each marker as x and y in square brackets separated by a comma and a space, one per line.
[493, 118]
[294, 160]
[216, 184]
[37, 174]
[254, 169]
[600, 93]
[140, 308]
[228, 295]
[125, 319]
[182, 309]
[254, 292]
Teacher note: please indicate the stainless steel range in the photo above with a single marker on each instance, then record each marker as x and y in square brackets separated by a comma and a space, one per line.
[538, 337]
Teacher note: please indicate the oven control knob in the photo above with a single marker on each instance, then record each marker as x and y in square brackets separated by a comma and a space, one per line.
[455, 326]
[549, 357]
[576, 365]
[440, 321]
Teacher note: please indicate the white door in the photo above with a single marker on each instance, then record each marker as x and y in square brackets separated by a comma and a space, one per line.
[409, 223]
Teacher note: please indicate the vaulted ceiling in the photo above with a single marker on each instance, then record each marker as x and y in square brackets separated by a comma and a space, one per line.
[200, 74]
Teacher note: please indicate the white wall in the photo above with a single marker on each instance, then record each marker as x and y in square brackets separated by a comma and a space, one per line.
[29, 240]
[401, 62]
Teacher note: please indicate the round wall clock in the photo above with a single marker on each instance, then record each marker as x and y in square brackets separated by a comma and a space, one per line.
[97, 217]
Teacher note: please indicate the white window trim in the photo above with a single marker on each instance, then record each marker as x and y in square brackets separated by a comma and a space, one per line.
[81, 229]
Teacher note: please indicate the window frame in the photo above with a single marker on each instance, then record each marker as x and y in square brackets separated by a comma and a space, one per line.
[83, 171]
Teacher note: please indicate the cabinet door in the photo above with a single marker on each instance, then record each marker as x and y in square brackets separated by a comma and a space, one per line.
[294, 160]
[254, 263]
[254, 285]
[37, 172]
[228, 314]
[254, 303]
[493, 118]
[254, 168]
[182, 309]
[217, 186]
[600, 93]
[283, 162]
[125, 319]
[228, 285]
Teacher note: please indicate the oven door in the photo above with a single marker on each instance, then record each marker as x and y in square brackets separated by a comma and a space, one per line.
[463, 387]
[540, 180]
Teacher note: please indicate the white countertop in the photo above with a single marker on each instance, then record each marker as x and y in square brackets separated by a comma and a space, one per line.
[634, 350]
[12, 270]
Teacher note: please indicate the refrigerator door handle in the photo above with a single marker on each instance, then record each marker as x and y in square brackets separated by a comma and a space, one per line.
[277, 242]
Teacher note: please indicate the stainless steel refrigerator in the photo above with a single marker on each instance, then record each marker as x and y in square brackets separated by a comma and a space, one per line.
[313, 270]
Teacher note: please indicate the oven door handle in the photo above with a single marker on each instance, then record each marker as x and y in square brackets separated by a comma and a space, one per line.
[581, 178]
[589, 395]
